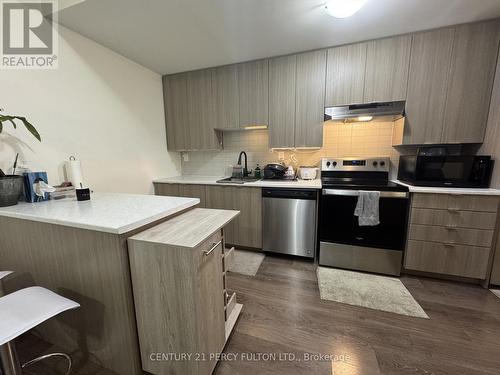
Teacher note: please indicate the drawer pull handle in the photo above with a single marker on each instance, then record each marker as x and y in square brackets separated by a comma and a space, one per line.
[452, 228]
[208, 252]
[449, 244]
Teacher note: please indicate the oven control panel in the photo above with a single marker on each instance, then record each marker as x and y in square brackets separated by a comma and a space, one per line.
[381, 164]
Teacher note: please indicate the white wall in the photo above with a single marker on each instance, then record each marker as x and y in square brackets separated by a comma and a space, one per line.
[99, 106]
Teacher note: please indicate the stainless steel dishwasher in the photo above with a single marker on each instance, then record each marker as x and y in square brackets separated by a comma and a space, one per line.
[289, 219]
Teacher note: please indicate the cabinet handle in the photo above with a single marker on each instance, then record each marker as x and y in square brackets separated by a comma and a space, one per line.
[451, 228]
[208, 252]
[449, 244]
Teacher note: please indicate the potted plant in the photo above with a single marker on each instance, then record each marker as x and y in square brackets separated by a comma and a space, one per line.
[11, 186]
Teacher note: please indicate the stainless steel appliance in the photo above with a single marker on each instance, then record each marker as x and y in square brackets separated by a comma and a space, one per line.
[289, 221]
[343, 242]
[446, 170]
[386, 111]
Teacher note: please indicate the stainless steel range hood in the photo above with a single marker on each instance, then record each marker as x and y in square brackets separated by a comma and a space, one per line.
[387, 111]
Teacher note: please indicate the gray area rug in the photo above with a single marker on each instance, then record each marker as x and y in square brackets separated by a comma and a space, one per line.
[496, 292]
[246, 262]
[366, 290]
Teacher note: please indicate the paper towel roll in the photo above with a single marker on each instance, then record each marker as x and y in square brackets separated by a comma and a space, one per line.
[74, 172]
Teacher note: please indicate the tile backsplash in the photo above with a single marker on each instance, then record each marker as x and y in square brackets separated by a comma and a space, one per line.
[360, 139]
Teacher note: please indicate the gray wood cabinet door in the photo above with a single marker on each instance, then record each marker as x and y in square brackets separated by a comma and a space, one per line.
[282, 92]
[246, 228]
[387, 64]
[475, 50]
[175, 102]
[345, 74]
[169, 190]
[427, 86]
[310, 99]
[253, 81]
[201, 111]
[227, 106]
[193, 191]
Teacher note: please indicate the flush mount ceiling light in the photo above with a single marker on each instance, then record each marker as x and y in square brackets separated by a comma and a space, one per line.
[343, 8]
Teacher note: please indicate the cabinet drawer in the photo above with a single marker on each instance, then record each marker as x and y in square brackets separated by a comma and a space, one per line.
[456, 260]
[210, 242]
[456, 202]
[450, 234]
[453, 218]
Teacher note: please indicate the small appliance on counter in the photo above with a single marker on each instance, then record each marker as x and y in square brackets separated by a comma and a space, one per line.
[274, 171]
[441, 170]
[308, 173]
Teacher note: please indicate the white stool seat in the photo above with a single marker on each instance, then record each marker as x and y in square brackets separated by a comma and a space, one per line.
[4, 273]
[25, 309]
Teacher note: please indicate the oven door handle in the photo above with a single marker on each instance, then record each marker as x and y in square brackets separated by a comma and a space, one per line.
[355, 193]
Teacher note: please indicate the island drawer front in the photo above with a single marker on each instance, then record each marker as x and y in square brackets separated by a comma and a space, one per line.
[207, 247]
[451, 234]
[448, 259]
[460, 219]
[482, 203]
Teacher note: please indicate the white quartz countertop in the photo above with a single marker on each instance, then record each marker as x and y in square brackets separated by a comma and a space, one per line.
[444, 190]
[105, 212]
[212, 180]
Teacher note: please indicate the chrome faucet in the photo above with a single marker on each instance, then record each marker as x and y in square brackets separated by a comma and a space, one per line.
[245, 168]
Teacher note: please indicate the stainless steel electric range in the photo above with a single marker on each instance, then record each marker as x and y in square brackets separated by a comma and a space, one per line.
[343, 242]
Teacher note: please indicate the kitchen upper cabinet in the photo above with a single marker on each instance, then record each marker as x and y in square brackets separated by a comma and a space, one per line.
[345, 74]
[282, 93]
[201, 111]
[253, 89]
[296, 99]
[310, 99]
[176, 110]
[387, 64]
[473, 63]
[227, 104]
[427, 87]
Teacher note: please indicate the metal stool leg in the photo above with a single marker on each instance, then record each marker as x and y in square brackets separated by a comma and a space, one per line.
[41, 358]
[9, 362]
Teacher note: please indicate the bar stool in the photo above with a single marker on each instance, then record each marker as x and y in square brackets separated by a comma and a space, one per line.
[21, 311]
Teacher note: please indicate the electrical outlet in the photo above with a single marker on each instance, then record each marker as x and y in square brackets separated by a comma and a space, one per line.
[185, 156]
[281, 155]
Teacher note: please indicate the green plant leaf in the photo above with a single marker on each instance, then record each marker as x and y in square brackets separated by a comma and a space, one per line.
[30, 128]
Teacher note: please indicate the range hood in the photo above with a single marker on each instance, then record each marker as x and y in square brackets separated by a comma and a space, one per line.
[386, 111]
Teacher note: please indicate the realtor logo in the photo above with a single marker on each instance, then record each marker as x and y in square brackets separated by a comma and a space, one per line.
[28, 35]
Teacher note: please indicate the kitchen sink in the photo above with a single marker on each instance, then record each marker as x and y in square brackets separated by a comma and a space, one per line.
[237, 180]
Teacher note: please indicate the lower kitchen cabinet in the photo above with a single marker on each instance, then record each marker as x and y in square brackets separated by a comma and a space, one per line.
[182, 190]
[451, 234]
[179, 292]
[495, 272]
[246, 229]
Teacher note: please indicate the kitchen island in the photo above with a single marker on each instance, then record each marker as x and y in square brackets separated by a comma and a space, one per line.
[79, 250]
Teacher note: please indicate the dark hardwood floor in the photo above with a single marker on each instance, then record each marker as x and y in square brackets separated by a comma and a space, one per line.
[283, 314]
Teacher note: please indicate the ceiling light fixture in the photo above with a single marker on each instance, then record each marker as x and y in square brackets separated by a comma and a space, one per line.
[343, 8]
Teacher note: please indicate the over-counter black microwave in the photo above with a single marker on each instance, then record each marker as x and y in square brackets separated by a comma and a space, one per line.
[446, 170]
